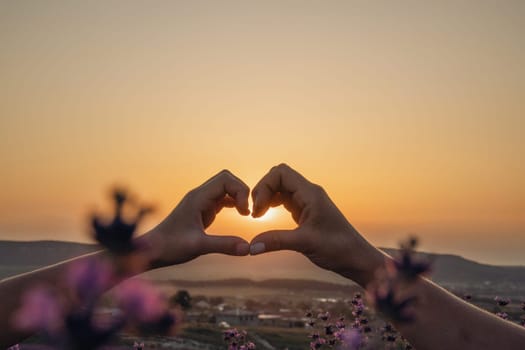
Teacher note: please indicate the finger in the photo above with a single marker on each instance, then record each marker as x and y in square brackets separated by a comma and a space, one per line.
[282, 179]
[229, 245]
[275, 240]
[225, 183]
[285, 198]
[225, 202]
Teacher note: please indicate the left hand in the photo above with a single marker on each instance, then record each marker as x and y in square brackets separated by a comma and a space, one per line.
[180, 237]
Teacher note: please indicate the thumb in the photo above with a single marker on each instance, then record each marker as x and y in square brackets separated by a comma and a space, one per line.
[274, 240]
[229, 245]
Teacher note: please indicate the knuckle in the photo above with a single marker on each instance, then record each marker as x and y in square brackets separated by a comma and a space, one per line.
[283, 167]
[191, 195]
[280, 167]
[318, 190]
[225, 173]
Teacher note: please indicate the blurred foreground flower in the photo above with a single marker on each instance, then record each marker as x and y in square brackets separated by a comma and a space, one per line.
[406, 264]
[145, 307]
[402, 271]
[88, 279]
[77, 324]
[117, 236]
[40, 311]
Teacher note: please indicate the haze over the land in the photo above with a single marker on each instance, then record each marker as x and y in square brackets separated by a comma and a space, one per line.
[410, 114]
[448, 270]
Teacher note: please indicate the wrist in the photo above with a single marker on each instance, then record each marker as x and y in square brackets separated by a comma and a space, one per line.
[365, 272]
[150, 248]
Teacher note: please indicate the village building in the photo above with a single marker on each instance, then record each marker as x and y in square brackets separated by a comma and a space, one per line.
[237, 318]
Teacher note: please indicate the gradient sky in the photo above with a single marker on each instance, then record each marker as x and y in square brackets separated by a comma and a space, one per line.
[410, 114]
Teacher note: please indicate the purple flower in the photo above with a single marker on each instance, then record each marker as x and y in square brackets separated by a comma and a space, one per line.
[40, 310]
[138, 346]
[386, 304]
[83, 333]
[324, 316]
[317, 343]
[502, 315]
[406, 265]
[89, 278]
[140, 300]
[502, 301]
[351, 339]
[117, 236]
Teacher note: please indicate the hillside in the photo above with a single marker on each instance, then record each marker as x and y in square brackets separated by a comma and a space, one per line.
[17, 257]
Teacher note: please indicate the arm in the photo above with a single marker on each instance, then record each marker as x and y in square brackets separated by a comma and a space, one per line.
[180, 237]
[323, 235]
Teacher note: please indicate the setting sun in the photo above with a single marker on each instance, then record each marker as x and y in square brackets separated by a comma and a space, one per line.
[381, 106]
[273, 214]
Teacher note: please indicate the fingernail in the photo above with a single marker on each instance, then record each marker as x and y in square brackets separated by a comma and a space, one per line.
[243, 249]
[257, 248]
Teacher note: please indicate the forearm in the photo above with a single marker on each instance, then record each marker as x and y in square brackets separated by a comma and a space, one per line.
[441, 320]
[444, 321]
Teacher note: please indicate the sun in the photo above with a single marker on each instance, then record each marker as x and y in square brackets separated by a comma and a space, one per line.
[270, 214]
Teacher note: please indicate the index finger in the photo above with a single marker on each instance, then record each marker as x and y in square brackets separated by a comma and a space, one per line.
[280, 179]
[225, 183]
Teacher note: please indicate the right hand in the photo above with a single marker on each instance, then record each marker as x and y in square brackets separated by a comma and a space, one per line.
[323, 234]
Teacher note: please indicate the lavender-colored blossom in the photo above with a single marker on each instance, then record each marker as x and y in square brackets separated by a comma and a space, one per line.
[351, 339]
[89, 278]
[83, 333]
[391, 338]
[324, 316]
[248, 346]
[502, 301]
[502, 315]
[40, 310]
[386, 304]
[117, 236]
[140, 301]
[138, 346]
[407, 265]
[236, 340]
[317, 343]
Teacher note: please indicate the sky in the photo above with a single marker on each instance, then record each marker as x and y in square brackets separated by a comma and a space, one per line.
[410, 114]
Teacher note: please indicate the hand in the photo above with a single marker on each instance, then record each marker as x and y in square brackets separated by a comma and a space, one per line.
[323, 233]
[180, 237]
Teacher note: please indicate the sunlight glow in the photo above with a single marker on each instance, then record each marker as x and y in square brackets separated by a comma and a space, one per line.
[271, 214]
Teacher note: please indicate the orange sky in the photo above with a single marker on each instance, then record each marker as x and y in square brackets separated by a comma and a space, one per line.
[411, 115]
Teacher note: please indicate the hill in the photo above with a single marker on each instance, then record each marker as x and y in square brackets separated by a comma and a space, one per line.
[451, 270]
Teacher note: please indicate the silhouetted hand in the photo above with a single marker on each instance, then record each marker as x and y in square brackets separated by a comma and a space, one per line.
[323, 233]
[180, 237]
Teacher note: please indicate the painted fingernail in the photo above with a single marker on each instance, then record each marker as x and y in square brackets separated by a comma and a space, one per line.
[243, 249]
[257, 248]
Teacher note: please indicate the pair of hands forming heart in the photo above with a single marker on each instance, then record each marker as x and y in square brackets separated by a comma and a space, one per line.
[323, 234]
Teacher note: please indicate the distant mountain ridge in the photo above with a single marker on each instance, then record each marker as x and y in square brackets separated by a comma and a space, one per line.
[17, 257]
